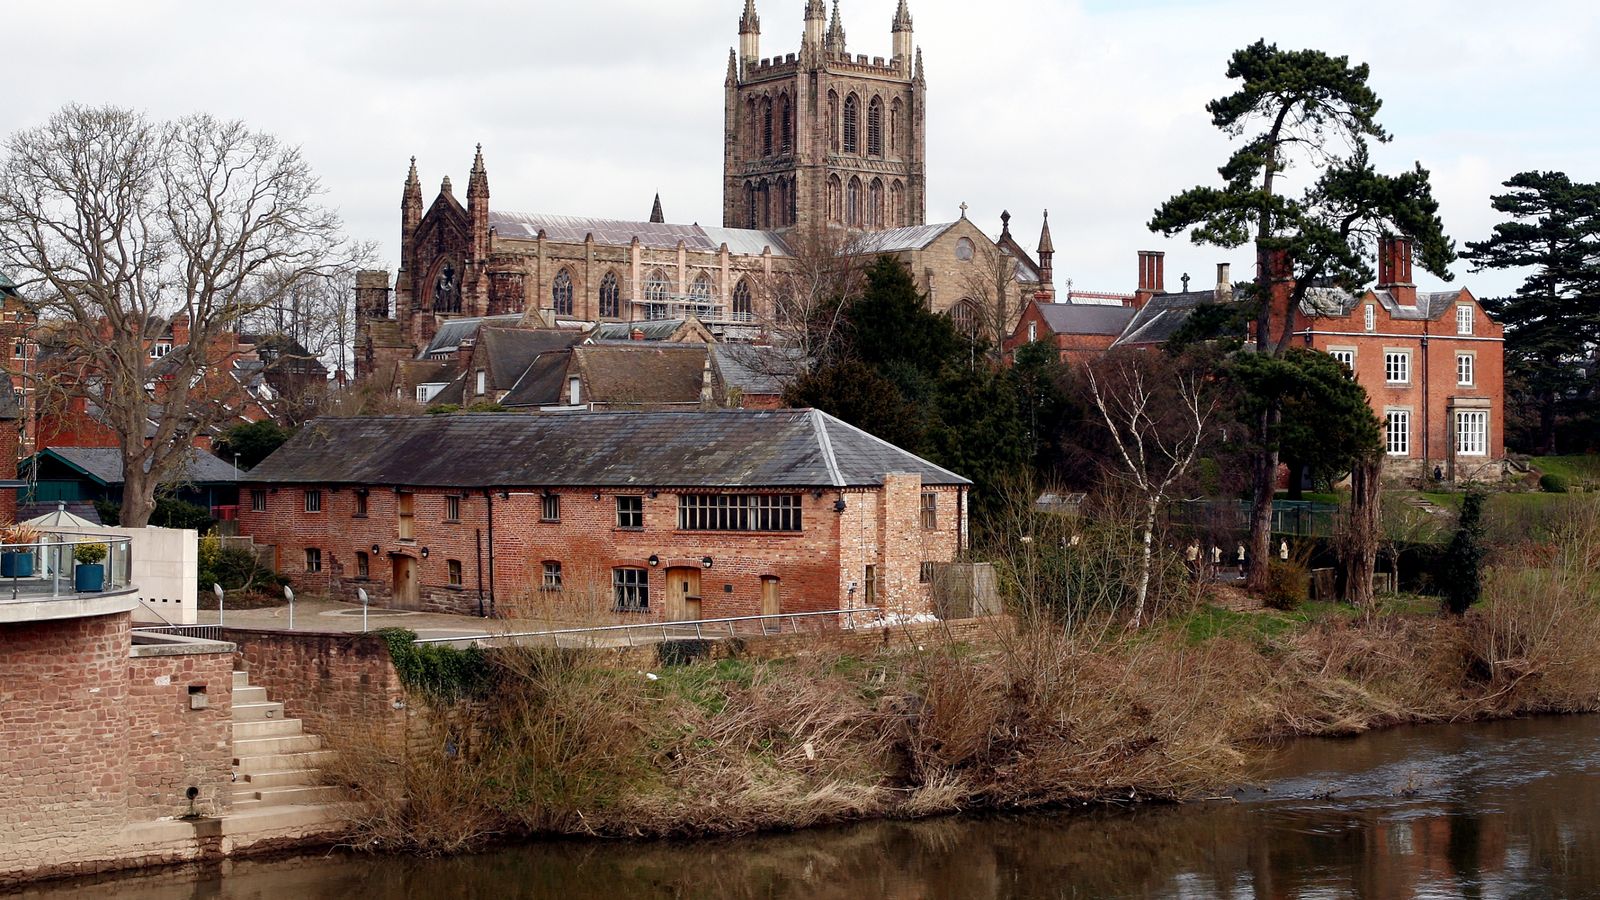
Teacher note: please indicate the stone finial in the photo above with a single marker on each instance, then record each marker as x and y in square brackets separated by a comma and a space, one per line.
[1045, 244]
[656, 215]
[1185, 280]
[835, 40]
[444, 186]
[749, 23]
[1005, 222]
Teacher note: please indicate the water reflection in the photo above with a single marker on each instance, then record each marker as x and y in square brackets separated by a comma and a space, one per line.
[1497, 810]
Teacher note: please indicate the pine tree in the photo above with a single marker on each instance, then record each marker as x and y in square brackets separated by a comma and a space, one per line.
[1463, 559]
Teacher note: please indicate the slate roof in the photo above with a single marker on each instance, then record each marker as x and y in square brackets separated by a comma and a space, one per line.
[755, 369]
[718, 449]
[653, 330]
[635, 373]
[104, 464]
[1083, 318]
[511, 351]
[1162, 316]
[542, 384]
[8, 288]
[619, 232]
[1338, 302]
[896, 240]
[453, 331]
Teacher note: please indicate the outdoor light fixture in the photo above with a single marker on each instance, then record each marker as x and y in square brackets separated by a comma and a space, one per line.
[597, 495]
[424, 552]
[705, 562]
[654, 560]
[505, 495]
[838, 505]
[653, 495]
[376, 549]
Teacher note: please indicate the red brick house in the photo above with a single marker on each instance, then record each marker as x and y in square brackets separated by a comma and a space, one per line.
[658, 515]
[1078, 331]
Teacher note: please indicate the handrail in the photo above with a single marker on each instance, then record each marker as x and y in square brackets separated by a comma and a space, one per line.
[56, 553]
[697, 624]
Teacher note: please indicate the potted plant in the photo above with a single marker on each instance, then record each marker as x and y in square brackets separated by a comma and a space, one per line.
[90, 575]
[16, 561]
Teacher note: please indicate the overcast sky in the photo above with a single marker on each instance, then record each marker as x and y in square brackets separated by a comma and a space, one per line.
[1093, 109]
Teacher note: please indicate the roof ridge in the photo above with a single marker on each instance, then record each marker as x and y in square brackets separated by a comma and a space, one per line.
[872, 437]
[820, 427]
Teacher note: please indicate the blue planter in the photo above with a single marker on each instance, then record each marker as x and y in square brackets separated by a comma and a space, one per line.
[89, 577]
[16, 565]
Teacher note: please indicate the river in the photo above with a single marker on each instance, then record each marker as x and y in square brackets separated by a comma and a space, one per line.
[1492, 810]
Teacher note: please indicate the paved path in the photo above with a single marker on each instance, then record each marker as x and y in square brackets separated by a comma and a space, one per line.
[330, 615]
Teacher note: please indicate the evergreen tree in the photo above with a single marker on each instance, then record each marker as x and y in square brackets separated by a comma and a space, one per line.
[1553, 320]
[1463, 559]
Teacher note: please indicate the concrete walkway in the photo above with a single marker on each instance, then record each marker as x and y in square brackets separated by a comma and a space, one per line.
[330, 615]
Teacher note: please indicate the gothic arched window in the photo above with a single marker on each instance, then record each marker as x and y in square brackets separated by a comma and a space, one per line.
[743, 309]
[835, 188]
[852, 115]
[561, 293]
[875, 204]
[785, 125]
[897, 205]
[833, 119]
[700, 290]
[852, 203]
[875, 127]
[965, 316]
[610, 297]
[895, 111]
[766, 127]
[656, 291]
[752, 132]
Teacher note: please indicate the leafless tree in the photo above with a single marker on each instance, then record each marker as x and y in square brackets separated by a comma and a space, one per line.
[991, 285]
[117, 223]
[809, 290]
[1156, 417]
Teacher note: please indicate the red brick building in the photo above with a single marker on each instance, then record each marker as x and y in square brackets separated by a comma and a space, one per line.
[659, 515]
[1078, 331]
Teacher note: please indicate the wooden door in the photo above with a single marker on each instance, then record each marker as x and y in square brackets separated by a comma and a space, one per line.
[770, 604]
[406, 592]
[683, 594]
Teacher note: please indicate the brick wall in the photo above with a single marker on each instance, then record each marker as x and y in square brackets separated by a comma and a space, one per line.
[341, 686]
[813, 567]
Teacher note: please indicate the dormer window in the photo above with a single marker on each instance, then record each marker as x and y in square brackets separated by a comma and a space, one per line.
[160, 349]
[1371, 314]
[1463, 319]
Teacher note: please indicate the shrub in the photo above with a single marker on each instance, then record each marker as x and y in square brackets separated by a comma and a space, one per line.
[1551, 483]
[89, 554]
[235, 568]
[1288, 585]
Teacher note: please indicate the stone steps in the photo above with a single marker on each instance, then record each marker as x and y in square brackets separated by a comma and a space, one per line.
[266, 728]
[286, 796]
[285, 778]
[256, 712]
[279, 762]
[269, 746]
[275, 762]
[249, 694]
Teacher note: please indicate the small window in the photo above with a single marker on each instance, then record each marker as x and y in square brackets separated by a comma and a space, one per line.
[869, 586]
[1463, 319]
[574, 390]
[550, 508]
[159, 350]
[630, 512]
[631, 589]
[483, 382]
[1472, 432]
[552, 576]
[930, 511]
[361, 505]
[313, 559]
[1397, 432]
[1464, 373]
[1033, 332]
[1348, 357]
[313, 501]
[925, 574]
[1371, 314]
[453, 568]
[1397, 367]
[965, 249]
[258, 501]
[452, 509]
[363, 565]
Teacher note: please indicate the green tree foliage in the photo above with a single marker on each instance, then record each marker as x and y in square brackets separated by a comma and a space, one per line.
[901, 372]
[235, 568]
[1463, 564]
[1552, 322]
[1327, 423]
[1300, 108]
[253, 442]
[1044, 387]
[168, 513]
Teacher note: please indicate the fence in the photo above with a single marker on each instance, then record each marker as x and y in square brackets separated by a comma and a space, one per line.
[1292, 518]
[47, 568]
[203, 632]
[697, 629]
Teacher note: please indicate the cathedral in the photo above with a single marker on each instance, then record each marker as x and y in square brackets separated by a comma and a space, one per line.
[824, 154]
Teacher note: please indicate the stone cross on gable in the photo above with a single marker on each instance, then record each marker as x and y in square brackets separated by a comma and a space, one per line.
[963, 210]
[1186, 282]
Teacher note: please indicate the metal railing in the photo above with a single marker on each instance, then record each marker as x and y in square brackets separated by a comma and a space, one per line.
[699, 629]
[204, 632]
[44, 569]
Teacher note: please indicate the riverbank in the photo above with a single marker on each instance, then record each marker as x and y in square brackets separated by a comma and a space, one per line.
[561, 743]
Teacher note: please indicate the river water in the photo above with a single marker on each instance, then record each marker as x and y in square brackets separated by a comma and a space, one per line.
[1503, 809]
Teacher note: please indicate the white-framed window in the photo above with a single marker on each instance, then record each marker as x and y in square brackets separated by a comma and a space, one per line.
[1397, 366]
[1397, 432]
[426, 392]
[1370, 316]
[483, 382]
[1464, 373]
[1348, 357]
[160, 349]
[1463, 319]
[1472, 432]
[574, 390]
[631, 589]
[1033, 332]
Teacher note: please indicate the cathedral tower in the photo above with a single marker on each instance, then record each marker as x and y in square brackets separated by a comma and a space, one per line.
[823, 138]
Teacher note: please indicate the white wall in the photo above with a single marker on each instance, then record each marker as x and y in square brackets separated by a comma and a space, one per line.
[166, 564]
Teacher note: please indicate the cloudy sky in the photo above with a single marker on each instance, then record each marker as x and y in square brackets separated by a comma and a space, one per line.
[1090, 108]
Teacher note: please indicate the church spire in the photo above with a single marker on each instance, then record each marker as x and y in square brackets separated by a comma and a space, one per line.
[835, 41]
[750, 33]
[1047, 255]
[657, 217]
[413, 192]
[816, 21]
[903, 40]
[902, 18]
[478, 184]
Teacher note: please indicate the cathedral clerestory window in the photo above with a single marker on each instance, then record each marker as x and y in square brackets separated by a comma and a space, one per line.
[743, 310]
[561, 294]
[875, 127]
[610, 296]
[852, 114]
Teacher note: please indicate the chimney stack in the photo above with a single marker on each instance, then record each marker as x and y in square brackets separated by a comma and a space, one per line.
[1224, 282]
[1152, 276]
[637, 334]
[1394, 269]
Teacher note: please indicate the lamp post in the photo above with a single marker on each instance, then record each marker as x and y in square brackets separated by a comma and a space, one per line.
[362, 593]
[288, 592]
[217, 589]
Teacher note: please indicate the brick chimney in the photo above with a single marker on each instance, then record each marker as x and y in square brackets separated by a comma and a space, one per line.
[180, 330]
[637, 334]
[1394, 269]
[1152, 276]
[1280, 288]
[1224, 283]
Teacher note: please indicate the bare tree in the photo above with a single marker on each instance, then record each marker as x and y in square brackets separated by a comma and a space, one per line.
[1157, 420]
[809, 291]
[991, 284]
[119, 224]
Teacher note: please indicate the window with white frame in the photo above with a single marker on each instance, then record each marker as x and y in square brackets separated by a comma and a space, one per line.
[1033, 332]
[1348, 357]
[631, 589]
[1464, 373]
[160, 349]
[1371, 317]
[1463, 319]
[483, 382]
[1472, 432]
[1397, 432]
[1397, 366]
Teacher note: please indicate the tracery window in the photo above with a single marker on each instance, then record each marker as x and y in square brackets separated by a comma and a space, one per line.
[853, 203]
[965, 316]
[785, 125]
[875, 203]
[852, 115]
[561, 293]
[895, 112]
[656, 290]
[700, 290]
[834, 204]
[610, 296]
[833, 120]
[743, 308]
[766, 127]
[875, 127]
[897, 204]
